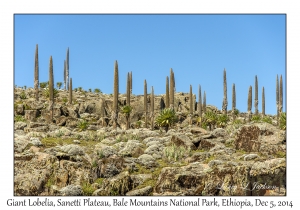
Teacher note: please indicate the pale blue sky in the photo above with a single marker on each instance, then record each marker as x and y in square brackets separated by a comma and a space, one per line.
[197, 47]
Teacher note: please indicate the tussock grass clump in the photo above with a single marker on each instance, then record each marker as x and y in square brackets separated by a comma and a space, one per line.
[82, 125]
[87, 189]
[23, 95]
[19, 118]
[282, 121]
[267, 119]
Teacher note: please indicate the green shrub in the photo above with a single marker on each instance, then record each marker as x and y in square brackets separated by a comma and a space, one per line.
[237, 122]
[267, 119]
[236, 112]
[23, 95]
[210, 118]
[19, 118]
[50, 182]
[99, 181]
[46, 92]
[82, 125]
[97, 90]
[256, 118]
[166, 118]
[138, 124]
[65, 100]
[43, 84]
[87, 189]
[100, 154]
[222, 120]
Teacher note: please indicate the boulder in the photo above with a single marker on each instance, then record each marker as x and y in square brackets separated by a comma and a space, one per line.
[145, 191]
[71, 190]
[138, 179]
[183, 140]
[117, 185]
[250, 157]
[20, 144]
[207, 144]
[147, 160]
[219, 132]
[156, 150]
[36, 141]
[133, 148]
[61, 121]
[111, 166]
[248, 138]
[196, 130]
[104, 150]
[31, 115]
[20, 109]
[187, 180]
[72, 149]
[20, 125]
[268, 177]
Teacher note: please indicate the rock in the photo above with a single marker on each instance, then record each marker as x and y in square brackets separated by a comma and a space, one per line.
[248, 138]
[196, 130]
[92, 127]
[36, 141]
[31, 174]
[36, 124]
[105, 151]
[207, 144]
[35, 105]
[156, 150]
[72, 149]
[31, 115]
[150, 143]
[213, 163]
[34, 149]
[219, 132]
[217, 147]
[71, 190]
[20, 110]
[19, 133]
[61, 121]
[37, 129]
[268, 177]
[20, 144]
[250, 157]
[130, 164]
[139, 179]
[150, 139]
[198, 157]
[133, 148]
[20, 125]
[147, 160]
[64, 111]
[76, 141]
[140, 192]
[185, 180]
[71, 122]
[111, 166]
[56, 110]
[266, 129]
[72, 113]
[182, 140]
[117, 185]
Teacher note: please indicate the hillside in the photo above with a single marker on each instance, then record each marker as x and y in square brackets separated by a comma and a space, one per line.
[79, 152]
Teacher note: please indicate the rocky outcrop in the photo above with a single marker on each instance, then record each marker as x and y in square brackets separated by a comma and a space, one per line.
[61, 158]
